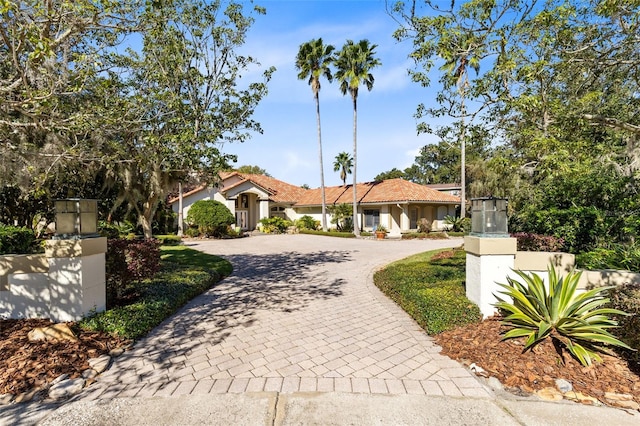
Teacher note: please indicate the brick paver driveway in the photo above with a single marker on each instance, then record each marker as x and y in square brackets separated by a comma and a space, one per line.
[299, 314]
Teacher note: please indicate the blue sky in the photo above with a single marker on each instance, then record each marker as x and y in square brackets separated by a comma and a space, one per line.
[288, 149]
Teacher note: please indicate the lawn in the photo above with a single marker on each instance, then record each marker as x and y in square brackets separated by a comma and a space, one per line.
[430, 287]
[185, 273]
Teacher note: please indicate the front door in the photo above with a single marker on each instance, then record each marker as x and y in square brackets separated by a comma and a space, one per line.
[242, 219]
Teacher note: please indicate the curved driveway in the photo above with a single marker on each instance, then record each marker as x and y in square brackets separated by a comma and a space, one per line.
[299, 313]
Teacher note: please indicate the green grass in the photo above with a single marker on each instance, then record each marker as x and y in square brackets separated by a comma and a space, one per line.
[430, 290]
[185, 274]
[189, 258]
[328, 234]
[425, 235]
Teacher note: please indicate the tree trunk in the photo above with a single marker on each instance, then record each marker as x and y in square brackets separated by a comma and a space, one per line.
[463, 150]
[324, 202]
[356, 225]
[146, 217]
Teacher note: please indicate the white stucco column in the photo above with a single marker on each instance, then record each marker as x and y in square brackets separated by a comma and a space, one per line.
[264, 209]
[77, 279]
[489, 260]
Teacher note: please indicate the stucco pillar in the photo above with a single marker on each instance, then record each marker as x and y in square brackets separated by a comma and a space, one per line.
[264, 209]
[489, 260]
[77, 279]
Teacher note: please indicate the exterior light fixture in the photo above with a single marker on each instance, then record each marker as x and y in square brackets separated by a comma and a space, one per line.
[76, 218]
[489, 217]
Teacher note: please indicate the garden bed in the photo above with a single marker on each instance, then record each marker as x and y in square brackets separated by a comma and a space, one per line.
[537, 369]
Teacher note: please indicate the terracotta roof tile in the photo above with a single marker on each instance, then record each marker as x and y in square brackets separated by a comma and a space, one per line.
[386, 191]
[280, 192]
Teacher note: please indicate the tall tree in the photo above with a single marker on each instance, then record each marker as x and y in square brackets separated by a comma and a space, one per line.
[344, 164]
[391, 174]
[252, 170]
[50, 57]
[180, 99]
[313, 61]
[558, 90]
[354, 65]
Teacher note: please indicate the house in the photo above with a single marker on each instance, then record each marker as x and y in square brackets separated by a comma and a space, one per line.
[395, 203]
[447, 188]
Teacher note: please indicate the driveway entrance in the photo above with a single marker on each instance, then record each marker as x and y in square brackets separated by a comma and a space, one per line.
[300, 313]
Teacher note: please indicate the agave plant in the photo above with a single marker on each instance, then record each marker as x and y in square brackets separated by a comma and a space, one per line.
[577, 320]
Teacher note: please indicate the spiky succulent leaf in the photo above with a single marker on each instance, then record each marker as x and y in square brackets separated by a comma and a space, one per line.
[579, 320]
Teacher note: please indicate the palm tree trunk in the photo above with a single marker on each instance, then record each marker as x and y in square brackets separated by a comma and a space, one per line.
[356, 225]
[463, 149]
[324, 202]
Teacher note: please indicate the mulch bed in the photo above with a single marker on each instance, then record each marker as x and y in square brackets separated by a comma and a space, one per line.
[538, 368]
[27, 365]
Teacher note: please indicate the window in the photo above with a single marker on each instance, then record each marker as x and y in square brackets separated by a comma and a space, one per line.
[242, 202]
[371, 218]
[278, 211]
[413, 218]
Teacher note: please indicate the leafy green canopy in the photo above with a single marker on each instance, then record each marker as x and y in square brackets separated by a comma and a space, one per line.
[146, 116]
[556, 90]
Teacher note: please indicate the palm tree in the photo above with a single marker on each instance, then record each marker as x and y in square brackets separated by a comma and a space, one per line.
[344, 163]
[312, 62]
[353, 65]
[456, 67]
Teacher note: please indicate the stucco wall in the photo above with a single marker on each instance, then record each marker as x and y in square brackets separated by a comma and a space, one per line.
[491, 260]
[64, 284]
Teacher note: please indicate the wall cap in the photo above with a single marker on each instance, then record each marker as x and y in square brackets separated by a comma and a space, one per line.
[481, 246]
[75, 248]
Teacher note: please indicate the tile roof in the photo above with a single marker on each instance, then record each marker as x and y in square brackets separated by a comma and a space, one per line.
[279, 191]
[386, 191]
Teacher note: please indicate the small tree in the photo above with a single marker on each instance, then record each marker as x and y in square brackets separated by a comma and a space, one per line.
[211, 217]
[342, 216]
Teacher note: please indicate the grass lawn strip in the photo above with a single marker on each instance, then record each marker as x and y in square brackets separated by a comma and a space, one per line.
[430, 287]
[185, 274]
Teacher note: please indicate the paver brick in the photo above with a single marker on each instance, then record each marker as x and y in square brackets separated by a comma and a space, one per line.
[342, 384]
[221, 386]
[256, 384]
[238, 385]
[185, 388]
[203, 386]
[449, 388]
[356, 340]
[273, 384]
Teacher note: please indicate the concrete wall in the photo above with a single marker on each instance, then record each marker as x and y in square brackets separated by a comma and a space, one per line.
[64, 284]
[492, 260]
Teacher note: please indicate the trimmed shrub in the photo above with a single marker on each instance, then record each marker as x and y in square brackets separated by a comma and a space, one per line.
[14, 240]
[330, 233]
[536, 242]
[211, 217]
[618, 256]
[424, 225]
[599, 258]
[161, 297]
[274, 225]
[307, 222]
[191, 232]
[128, 262]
